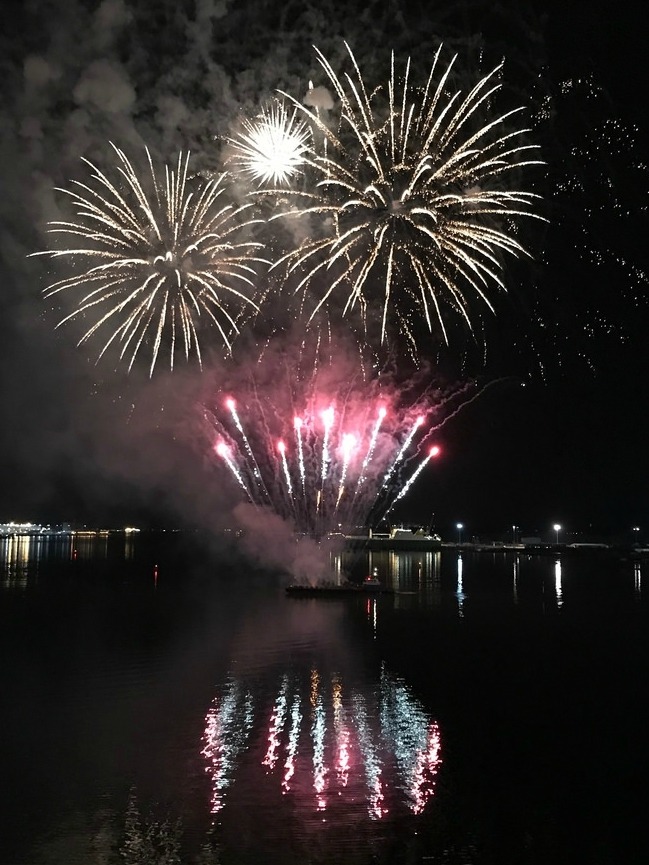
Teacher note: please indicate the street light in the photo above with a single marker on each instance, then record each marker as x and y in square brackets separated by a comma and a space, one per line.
[557, 529]
[514, 534]
[635, 531]
[459, 528]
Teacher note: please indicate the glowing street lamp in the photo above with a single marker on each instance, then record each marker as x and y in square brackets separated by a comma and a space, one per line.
[557, 529]
[635, 530]
[459, 528]
[514, 528]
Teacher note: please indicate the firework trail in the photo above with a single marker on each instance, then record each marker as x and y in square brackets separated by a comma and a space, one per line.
[433, 452]
[370, 447]
[348, 444]
[156, 259]
[404, 447]
[272, 148]
[297, 424]
[224, 452]
[307, 483]
[337, 425]
[327, 420]
[414, 213]
[281, 447]
[232, 408]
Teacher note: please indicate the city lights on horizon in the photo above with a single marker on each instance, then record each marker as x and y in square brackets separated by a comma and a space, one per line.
[509, 534]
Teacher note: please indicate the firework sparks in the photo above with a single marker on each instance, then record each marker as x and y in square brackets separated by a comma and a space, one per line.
[224, 452]
[281, 447]
[232, 408]
[327, 420]
[348, 445]
[402, 450]
[306, 481]
[155, 259]
[411, 191]
[272, 148]
[371, 446]
[433, 452]
[297, 424]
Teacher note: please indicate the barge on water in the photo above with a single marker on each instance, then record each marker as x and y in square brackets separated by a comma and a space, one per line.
[370, 586]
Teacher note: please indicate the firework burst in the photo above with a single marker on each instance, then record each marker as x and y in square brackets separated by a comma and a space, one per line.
[411, 191]
[156, 259]
[325, 466]
[271, 149]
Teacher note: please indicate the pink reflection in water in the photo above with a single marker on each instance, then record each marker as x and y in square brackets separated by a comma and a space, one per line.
[344, 746]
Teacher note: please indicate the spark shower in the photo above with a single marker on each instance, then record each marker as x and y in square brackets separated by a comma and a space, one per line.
[384, 213]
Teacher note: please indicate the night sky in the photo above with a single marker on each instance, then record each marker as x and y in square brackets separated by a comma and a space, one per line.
[559, 435]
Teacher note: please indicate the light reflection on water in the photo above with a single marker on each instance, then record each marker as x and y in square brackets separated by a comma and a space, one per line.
[287, 722]
[459, 591]
[15, 557]
[419, 580]
[517, 565]
[21, 555]
[557, 583]
[336, 746]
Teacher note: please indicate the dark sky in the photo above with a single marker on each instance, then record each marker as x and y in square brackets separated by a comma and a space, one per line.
[560, 437]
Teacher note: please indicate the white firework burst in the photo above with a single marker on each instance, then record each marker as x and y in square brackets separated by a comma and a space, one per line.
[155, 259]
[272, 148]
[415, 211]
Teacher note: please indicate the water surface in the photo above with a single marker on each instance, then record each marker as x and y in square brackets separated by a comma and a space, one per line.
[492, 710]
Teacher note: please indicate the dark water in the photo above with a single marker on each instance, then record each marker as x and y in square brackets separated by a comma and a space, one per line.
[494, 710]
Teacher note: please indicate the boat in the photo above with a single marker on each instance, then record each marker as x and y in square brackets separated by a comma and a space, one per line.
[371, 585]
[344, 590]
[372, 582]
[398, 539]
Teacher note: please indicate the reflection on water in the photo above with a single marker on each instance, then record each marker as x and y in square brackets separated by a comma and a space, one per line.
[22, 555]
[557, 582]
[372, 613]
[517, 565]
[438, 579]
[459, 591]
[15, 557]
[306, 730]
[227, 727]
[326, 744]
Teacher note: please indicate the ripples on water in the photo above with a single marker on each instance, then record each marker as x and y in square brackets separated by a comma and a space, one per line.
[492, 710]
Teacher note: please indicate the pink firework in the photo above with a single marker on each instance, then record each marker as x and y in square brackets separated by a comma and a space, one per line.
[334, 462]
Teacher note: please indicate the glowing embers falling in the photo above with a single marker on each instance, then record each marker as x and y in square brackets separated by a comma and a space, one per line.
[327, 746]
